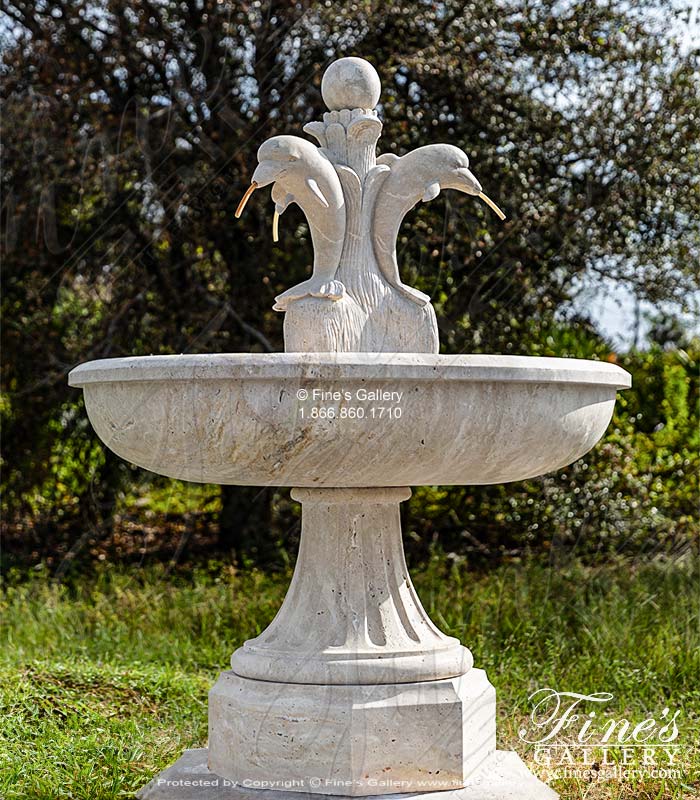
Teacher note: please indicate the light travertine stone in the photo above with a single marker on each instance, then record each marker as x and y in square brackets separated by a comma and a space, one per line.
[303, 174]
[418, 176]
[351, 690]
[355, 204]
[357, 739]
[350, 82]
[351, 615]
[239, 419]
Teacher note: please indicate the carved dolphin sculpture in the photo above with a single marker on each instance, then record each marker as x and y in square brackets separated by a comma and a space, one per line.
[419, 175]
[302, 174]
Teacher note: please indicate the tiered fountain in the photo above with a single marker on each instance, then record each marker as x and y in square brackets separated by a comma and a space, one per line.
[351, 690]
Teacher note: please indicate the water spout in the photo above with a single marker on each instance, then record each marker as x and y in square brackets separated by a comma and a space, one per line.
[489, 202]
[241, 206]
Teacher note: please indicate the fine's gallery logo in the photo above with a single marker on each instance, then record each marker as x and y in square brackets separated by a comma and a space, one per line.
[577, 735]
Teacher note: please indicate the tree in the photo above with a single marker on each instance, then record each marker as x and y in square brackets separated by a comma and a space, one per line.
[130, 130]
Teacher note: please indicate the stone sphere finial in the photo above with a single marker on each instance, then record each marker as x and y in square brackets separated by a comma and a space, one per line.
[350, 83]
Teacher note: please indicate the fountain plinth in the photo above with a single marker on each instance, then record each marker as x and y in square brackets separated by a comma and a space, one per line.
[351, 690]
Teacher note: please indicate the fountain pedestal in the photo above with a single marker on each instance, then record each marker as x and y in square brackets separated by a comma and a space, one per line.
[352, 739]
[352, 682]
[351, 690]
[351, 615]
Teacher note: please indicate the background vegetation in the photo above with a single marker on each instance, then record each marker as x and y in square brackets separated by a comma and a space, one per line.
[129, 134]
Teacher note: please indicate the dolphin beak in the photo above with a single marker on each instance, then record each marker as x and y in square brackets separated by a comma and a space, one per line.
[267, 172]
[467, 182]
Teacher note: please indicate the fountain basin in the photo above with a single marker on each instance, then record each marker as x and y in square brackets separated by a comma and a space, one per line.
[349, 419]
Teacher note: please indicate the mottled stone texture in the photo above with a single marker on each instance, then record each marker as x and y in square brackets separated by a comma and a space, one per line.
[359, 740]
[351, 690]
[351, 615]
[254, 419]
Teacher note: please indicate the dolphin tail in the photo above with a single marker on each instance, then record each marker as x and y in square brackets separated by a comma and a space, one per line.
[313, 287]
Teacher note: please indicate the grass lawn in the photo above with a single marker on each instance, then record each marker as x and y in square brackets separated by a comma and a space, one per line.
[104, 680]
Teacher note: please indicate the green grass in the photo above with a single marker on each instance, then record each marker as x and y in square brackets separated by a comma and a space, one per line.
[103, 681]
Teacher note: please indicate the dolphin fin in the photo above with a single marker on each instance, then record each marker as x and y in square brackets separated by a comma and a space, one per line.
[315, 189]
[330, 290]
[432, 190]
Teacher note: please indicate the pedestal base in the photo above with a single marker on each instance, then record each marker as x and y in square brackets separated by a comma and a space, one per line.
[357, 739]
[502, 777]
[351, 615]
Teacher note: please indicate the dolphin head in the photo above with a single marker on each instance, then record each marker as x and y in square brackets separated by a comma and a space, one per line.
[281, 156]
[454, 171]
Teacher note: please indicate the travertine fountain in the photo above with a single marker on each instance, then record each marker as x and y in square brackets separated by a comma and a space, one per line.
[351, 690]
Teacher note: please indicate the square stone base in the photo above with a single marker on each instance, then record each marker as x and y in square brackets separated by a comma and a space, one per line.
[355, 739]
[503, 776]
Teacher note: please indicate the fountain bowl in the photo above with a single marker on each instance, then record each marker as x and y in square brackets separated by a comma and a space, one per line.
[349, 419]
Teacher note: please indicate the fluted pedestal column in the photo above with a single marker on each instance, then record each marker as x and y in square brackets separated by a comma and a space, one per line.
[351, 615]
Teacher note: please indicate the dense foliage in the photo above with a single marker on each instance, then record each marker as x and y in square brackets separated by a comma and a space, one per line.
[129, 133]
[636, 492]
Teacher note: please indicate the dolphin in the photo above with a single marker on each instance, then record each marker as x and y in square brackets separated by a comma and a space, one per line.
[419, 175]
[303, 174]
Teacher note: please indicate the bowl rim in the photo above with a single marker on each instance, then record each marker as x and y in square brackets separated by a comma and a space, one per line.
[308, 367]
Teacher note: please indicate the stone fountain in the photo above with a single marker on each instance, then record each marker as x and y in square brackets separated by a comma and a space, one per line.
[351, 690]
